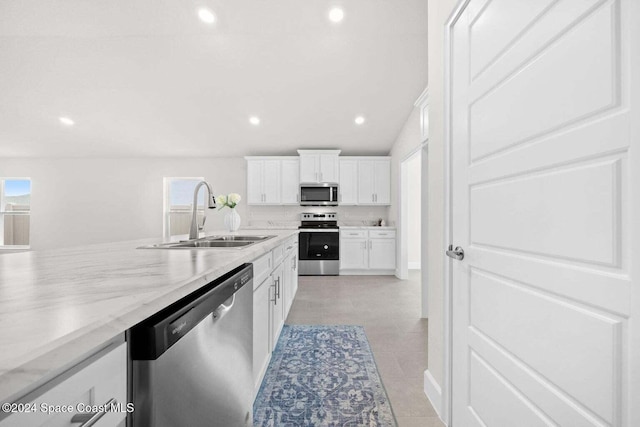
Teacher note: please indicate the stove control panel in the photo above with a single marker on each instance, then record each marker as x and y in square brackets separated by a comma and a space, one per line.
[330, 216]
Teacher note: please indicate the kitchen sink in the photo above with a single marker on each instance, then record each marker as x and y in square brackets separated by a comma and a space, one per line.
[213, 244]
[237, 238]
[221, 241]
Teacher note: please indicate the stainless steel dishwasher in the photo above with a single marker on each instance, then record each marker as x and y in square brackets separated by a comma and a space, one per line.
[191, 363]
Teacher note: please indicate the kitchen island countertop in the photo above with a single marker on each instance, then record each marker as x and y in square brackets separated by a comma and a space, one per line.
[58, 305]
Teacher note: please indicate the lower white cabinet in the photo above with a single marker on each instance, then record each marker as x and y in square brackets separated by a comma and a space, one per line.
[354, 254]
[382, 254]
[290, 275]
[275, 285]
[96, 386]
[367, 251]
[261, 329]
[277, 304]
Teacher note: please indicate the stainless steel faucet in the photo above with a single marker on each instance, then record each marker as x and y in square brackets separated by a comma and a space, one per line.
[211, 204]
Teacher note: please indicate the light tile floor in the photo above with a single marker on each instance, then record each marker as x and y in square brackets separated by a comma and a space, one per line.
[389, 310]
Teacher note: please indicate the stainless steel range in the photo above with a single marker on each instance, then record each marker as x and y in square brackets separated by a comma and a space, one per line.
[319, 240]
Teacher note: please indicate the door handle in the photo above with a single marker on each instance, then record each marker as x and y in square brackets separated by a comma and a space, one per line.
[457, 253]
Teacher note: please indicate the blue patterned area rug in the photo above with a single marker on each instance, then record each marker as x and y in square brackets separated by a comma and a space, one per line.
[322, 376]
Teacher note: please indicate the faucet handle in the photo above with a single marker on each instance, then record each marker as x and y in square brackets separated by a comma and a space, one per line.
[204, 219]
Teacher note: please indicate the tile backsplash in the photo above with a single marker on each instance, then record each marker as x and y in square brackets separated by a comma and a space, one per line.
[290, 215]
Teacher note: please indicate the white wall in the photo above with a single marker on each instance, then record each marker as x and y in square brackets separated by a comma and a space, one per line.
[408, 140]
[414, 201]
[78, 201]
[84, 201]
[438, 12]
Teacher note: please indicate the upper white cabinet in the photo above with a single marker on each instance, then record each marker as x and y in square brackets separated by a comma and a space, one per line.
[290, 181]
[348, 184]
[374, 181]
[275, 180]
[272, 180]
[263, 181]
[319, 165]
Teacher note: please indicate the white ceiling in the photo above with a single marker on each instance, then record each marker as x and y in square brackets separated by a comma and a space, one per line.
[148, 78]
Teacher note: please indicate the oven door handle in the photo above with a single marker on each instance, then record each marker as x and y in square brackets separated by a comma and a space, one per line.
[319, 230]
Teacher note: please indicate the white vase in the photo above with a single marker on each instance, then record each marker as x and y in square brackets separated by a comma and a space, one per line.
[232, 220]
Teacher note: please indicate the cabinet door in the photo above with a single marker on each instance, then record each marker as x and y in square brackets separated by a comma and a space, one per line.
[271, 180]
[366, 177]
[329, 169]
[276, 305]
[353, 254]
[294, 273]
[255, 171]
[382, 182]
[382, 254]
[348, 182]
[261, 331]
[287, 288]
[308, 168]
[290, 182]
[95, 384]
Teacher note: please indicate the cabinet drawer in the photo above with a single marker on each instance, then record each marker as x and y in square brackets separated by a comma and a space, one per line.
[278, 255]
[290, 245]
[353, 234]
[261, 269]
[101, 381]
[382, 234]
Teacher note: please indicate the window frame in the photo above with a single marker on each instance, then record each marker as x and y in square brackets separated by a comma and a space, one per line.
[3, 213]
[166, 202]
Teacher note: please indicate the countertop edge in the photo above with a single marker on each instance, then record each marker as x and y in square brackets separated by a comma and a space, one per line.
[59, 355]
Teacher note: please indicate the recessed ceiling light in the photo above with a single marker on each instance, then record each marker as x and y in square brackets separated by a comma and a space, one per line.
[336, 14]
[254, 120]
[359, 120]
[206, 16]
[67, 121]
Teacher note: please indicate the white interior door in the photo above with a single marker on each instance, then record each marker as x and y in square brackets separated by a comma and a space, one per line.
[546, 204]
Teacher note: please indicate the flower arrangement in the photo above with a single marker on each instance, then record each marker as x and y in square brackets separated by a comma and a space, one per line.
[230, 200]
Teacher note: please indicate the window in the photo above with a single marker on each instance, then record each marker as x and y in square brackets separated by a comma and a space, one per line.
[15, 210]
[178, 201]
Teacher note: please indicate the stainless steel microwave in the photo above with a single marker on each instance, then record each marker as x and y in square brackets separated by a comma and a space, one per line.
[320, 194]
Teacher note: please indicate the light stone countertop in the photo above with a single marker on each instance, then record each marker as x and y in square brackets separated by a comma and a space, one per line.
[58, 305]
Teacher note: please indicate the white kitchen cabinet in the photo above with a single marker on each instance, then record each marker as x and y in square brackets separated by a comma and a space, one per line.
[261, 329]
[263, 181]
[290, 182]
[374, 182]
[354, 254]
[367, 250]
[319, 166]
[277, 305]
[348, 187]
[382, 254]
[101, 379]
[290, 274]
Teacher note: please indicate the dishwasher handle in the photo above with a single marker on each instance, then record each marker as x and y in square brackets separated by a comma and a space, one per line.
[223, 309]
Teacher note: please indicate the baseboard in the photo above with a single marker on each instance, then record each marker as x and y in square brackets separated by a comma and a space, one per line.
[433, 391]
[414, 265]
[367, 272]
